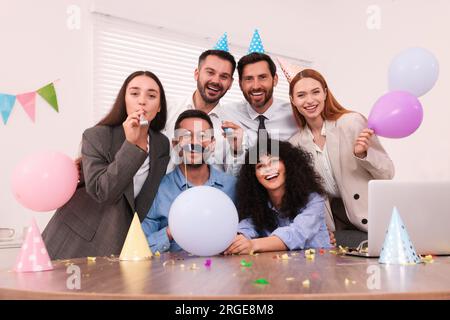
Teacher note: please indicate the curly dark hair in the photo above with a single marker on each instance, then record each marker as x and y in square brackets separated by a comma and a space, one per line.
[301, 181]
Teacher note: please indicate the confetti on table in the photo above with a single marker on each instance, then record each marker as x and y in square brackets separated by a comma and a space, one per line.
[284, 257]
[306, 283]
[246, 264]
[181, 266]
[294, 254]
[343, 249]
[348, 281]
[194, 267]
[171, 262]
[208, 263]
[157, 254]
[91, 259]
[290, 279]
[321, 252]
[261, 281]
[315, 275]
[427, 259]
[309, 254]
[332, 251]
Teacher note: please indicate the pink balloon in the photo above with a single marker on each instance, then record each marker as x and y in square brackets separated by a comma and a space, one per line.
[44, 181]
[397, 114]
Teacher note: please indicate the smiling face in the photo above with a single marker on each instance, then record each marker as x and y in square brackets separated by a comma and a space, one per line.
[257, 85]
[143, 93]
[213, 78]
[270, 172]
[308, 97]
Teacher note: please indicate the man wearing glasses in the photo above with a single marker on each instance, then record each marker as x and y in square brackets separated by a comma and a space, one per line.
[194, 142]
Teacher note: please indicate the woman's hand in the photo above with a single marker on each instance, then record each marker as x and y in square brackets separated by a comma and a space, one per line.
[240, 245]
[362, 143]
[132, 128]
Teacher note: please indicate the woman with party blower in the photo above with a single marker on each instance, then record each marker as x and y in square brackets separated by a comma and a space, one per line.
[346, 154]
[124, 158]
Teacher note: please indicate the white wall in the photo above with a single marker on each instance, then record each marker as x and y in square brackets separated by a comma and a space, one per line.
[333, 34]
[37, 48]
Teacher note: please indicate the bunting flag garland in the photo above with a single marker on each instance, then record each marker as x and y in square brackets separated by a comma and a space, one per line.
[6, 105]
[28, 101]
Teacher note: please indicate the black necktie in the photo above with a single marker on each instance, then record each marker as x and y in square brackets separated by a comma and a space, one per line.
[262, 131]
[261, 119]
[263, 136]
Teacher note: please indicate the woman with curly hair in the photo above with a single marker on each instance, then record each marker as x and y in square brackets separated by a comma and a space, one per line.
[280, 202]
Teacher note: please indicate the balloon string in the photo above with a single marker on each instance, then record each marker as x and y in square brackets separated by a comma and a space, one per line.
[185, 169]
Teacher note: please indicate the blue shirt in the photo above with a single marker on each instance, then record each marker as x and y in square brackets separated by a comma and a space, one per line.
[307, 230]
[174, 183]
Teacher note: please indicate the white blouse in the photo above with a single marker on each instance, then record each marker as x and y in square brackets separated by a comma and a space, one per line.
[142, 173]
[323, 166]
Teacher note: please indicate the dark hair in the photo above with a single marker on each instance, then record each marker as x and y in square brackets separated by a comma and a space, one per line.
[301, 181]
[193, 113]
[118, 113]
[333, 110]
[255, 57]
[224, 55]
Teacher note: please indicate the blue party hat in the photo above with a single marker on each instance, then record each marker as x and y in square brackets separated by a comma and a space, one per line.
[256, 43]
[397, 247]
[222, 43]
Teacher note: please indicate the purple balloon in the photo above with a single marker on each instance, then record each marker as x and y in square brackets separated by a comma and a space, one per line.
[397, 114]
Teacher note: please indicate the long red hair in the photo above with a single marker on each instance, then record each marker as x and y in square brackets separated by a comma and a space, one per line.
[333, 110]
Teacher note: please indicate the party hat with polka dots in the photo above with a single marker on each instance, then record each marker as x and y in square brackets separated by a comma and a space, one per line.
[33, 255]
[222, 43]
[290, 70]
[397, 247]
[256, 43]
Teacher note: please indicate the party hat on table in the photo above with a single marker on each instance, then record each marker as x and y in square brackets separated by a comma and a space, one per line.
[222, 43]
[136, 246]
[397, 247]
[290, 70]
[256, 43]
[33, 255]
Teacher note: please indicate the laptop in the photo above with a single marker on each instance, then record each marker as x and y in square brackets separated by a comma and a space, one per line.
[424, 208]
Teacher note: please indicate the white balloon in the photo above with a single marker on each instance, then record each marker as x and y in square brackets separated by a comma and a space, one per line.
[203, 221]
[415, 70]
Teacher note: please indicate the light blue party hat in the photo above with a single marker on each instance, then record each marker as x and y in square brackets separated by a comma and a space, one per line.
[397, 247]
[256, 43]
[222, 43]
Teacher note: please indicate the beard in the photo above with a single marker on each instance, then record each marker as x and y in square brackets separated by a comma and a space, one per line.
[267, 94]
[202, 90]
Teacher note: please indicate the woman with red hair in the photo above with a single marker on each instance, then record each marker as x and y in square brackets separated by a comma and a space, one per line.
[346, 154]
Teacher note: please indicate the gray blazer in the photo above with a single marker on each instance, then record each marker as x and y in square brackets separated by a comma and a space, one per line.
[96, 219]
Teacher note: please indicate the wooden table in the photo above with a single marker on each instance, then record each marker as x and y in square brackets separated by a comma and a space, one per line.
[172, 276]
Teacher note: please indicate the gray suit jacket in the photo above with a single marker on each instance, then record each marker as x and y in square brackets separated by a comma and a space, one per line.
[96, 219]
